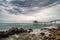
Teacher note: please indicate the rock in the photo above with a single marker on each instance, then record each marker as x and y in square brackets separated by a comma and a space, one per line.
[3, 34]
[25, 31]
[30, 30]
[12, 31]
[10, 38]
[45, 38]
[45, 29]
[21, 30]
[52, 30]
[27, 37]
[58, 27]
[42, 33]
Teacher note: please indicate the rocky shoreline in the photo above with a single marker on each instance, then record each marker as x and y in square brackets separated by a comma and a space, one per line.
[31, 34]
[12, 31]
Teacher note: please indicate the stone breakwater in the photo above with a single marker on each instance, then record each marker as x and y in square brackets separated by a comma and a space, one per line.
[32, 34]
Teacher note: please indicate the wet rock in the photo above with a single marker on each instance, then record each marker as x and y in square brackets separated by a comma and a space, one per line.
[3, 34]
[10, 38]
[30, 30]
[42, 33]
[21, 30]
[55, 35]
[52, 30]
[58, 27]
[45, 29]
[24, 34]
[16, 31]
[12, 31]
[45, 38]
[25, 31]
[27, 37]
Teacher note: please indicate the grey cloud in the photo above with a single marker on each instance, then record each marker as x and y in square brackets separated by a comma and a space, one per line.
[14, 11]
[19, 3]
[33, 3]
[3, 3]
[28, 4]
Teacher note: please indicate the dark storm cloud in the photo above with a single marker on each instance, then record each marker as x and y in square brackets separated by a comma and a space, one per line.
[33, 3]
[14, 10]
[19, 3]
[3, 3]
[26, 4]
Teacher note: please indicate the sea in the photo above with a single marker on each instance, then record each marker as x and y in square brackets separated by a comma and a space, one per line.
[36, 27]
[7, 26]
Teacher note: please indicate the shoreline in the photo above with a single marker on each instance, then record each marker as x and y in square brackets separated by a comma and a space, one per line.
[43, 32]
[29, 28]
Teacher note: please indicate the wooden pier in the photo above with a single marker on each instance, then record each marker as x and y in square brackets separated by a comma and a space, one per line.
[53, 22]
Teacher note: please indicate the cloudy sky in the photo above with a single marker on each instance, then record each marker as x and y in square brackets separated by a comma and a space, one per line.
[29, 10]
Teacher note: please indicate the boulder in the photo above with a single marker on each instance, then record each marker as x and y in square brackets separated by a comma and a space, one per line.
[12, 31]
[3, 34]
[30, 30]
[58, 27]
[42, 33]
[21, 30]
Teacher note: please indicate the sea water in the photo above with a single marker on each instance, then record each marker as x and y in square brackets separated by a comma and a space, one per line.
[6, 26]
[36, 27]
